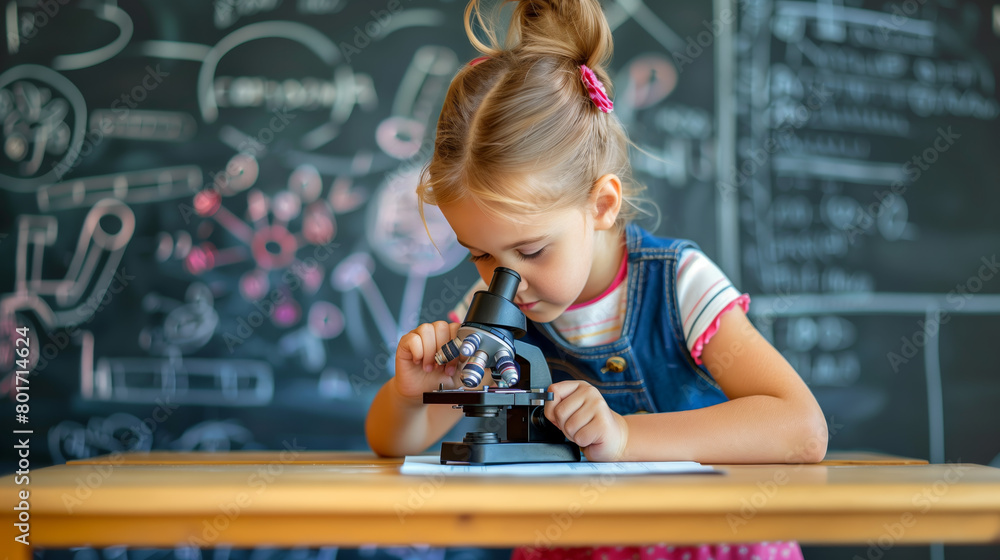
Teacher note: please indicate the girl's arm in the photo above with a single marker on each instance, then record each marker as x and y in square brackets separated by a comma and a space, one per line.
[771, 417]
[398, 426]
[398, 422]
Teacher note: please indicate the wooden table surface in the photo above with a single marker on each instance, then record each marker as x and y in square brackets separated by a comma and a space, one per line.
[354, 457]
[353, 499]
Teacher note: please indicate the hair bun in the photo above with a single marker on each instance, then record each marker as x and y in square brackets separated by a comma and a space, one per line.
[517, 133]
[575, 30]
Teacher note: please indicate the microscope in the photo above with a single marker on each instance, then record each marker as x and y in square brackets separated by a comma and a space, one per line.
[486, 341]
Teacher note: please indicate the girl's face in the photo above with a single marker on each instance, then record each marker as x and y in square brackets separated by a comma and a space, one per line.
[553, 254]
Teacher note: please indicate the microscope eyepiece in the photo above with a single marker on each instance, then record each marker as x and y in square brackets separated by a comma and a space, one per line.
[495, 307]
[504, 283]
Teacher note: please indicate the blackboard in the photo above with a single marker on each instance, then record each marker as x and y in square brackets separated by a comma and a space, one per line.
[867, 213]
[866, 187]
[207, 221]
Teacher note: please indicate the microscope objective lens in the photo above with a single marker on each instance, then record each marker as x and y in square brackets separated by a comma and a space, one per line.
[505, 368]
[470, 345]
[448, 352]
[474, 369]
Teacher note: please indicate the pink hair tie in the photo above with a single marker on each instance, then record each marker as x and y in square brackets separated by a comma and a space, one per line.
[595, 89]
[476, 61]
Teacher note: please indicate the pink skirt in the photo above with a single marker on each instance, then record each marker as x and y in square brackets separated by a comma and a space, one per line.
[745, 551]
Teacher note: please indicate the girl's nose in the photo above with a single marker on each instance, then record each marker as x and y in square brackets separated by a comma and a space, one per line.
[523, 286]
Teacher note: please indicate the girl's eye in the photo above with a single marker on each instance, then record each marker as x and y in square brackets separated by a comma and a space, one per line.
[479, 258]
[534, 255]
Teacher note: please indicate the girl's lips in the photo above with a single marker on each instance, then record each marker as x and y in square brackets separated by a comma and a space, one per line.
[526, 306]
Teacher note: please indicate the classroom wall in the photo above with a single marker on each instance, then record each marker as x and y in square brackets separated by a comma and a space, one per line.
[207, 219]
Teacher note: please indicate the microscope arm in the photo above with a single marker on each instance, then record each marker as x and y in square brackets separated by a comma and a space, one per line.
[533, 365]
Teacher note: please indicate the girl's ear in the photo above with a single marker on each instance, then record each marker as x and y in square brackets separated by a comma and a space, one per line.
[606, 201]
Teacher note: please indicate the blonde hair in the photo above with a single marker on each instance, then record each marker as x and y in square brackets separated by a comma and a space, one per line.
[518, 132]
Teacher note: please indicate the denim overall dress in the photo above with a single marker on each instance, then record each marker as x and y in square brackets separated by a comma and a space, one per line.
[658, 373]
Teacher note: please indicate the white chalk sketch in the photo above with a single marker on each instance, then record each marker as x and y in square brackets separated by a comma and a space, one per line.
[211, 435]
[621, 10]
[264, 236]
[417, 100]
[143, 124]
[118, 432]
[193, 381]
[44, 120]
[186, 326]
[397, 235]
[111, 13]
[74, 298]
[133, 187]
[26, 18]
[338, 92]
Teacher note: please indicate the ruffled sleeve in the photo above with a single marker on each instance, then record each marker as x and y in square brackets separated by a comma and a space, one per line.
[704, 294]
[699, 344]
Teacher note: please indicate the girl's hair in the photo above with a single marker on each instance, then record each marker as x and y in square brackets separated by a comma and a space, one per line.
[518, 132]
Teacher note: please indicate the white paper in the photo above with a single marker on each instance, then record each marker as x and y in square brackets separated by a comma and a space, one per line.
[424, 464]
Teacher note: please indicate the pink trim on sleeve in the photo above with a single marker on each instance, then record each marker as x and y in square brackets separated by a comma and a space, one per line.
[699, 344]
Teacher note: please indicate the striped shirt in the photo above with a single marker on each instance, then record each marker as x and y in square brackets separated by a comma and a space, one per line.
[704, 293]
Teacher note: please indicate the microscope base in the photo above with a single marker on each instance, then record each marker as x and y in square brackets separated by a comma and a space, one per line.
[509, 452]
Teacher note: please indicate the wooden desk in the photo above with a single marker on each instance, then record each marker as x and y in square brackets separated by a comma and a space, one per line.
[242, 458]
[361, 457]
[353, 499]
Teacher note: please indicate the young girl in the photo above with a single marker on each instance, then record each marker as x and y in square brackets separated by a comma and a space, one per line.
[652, 355]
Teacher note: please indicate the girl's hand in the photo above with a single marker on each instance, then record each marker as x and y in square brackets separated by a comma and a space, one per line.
[416, 370]
[580, 411]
